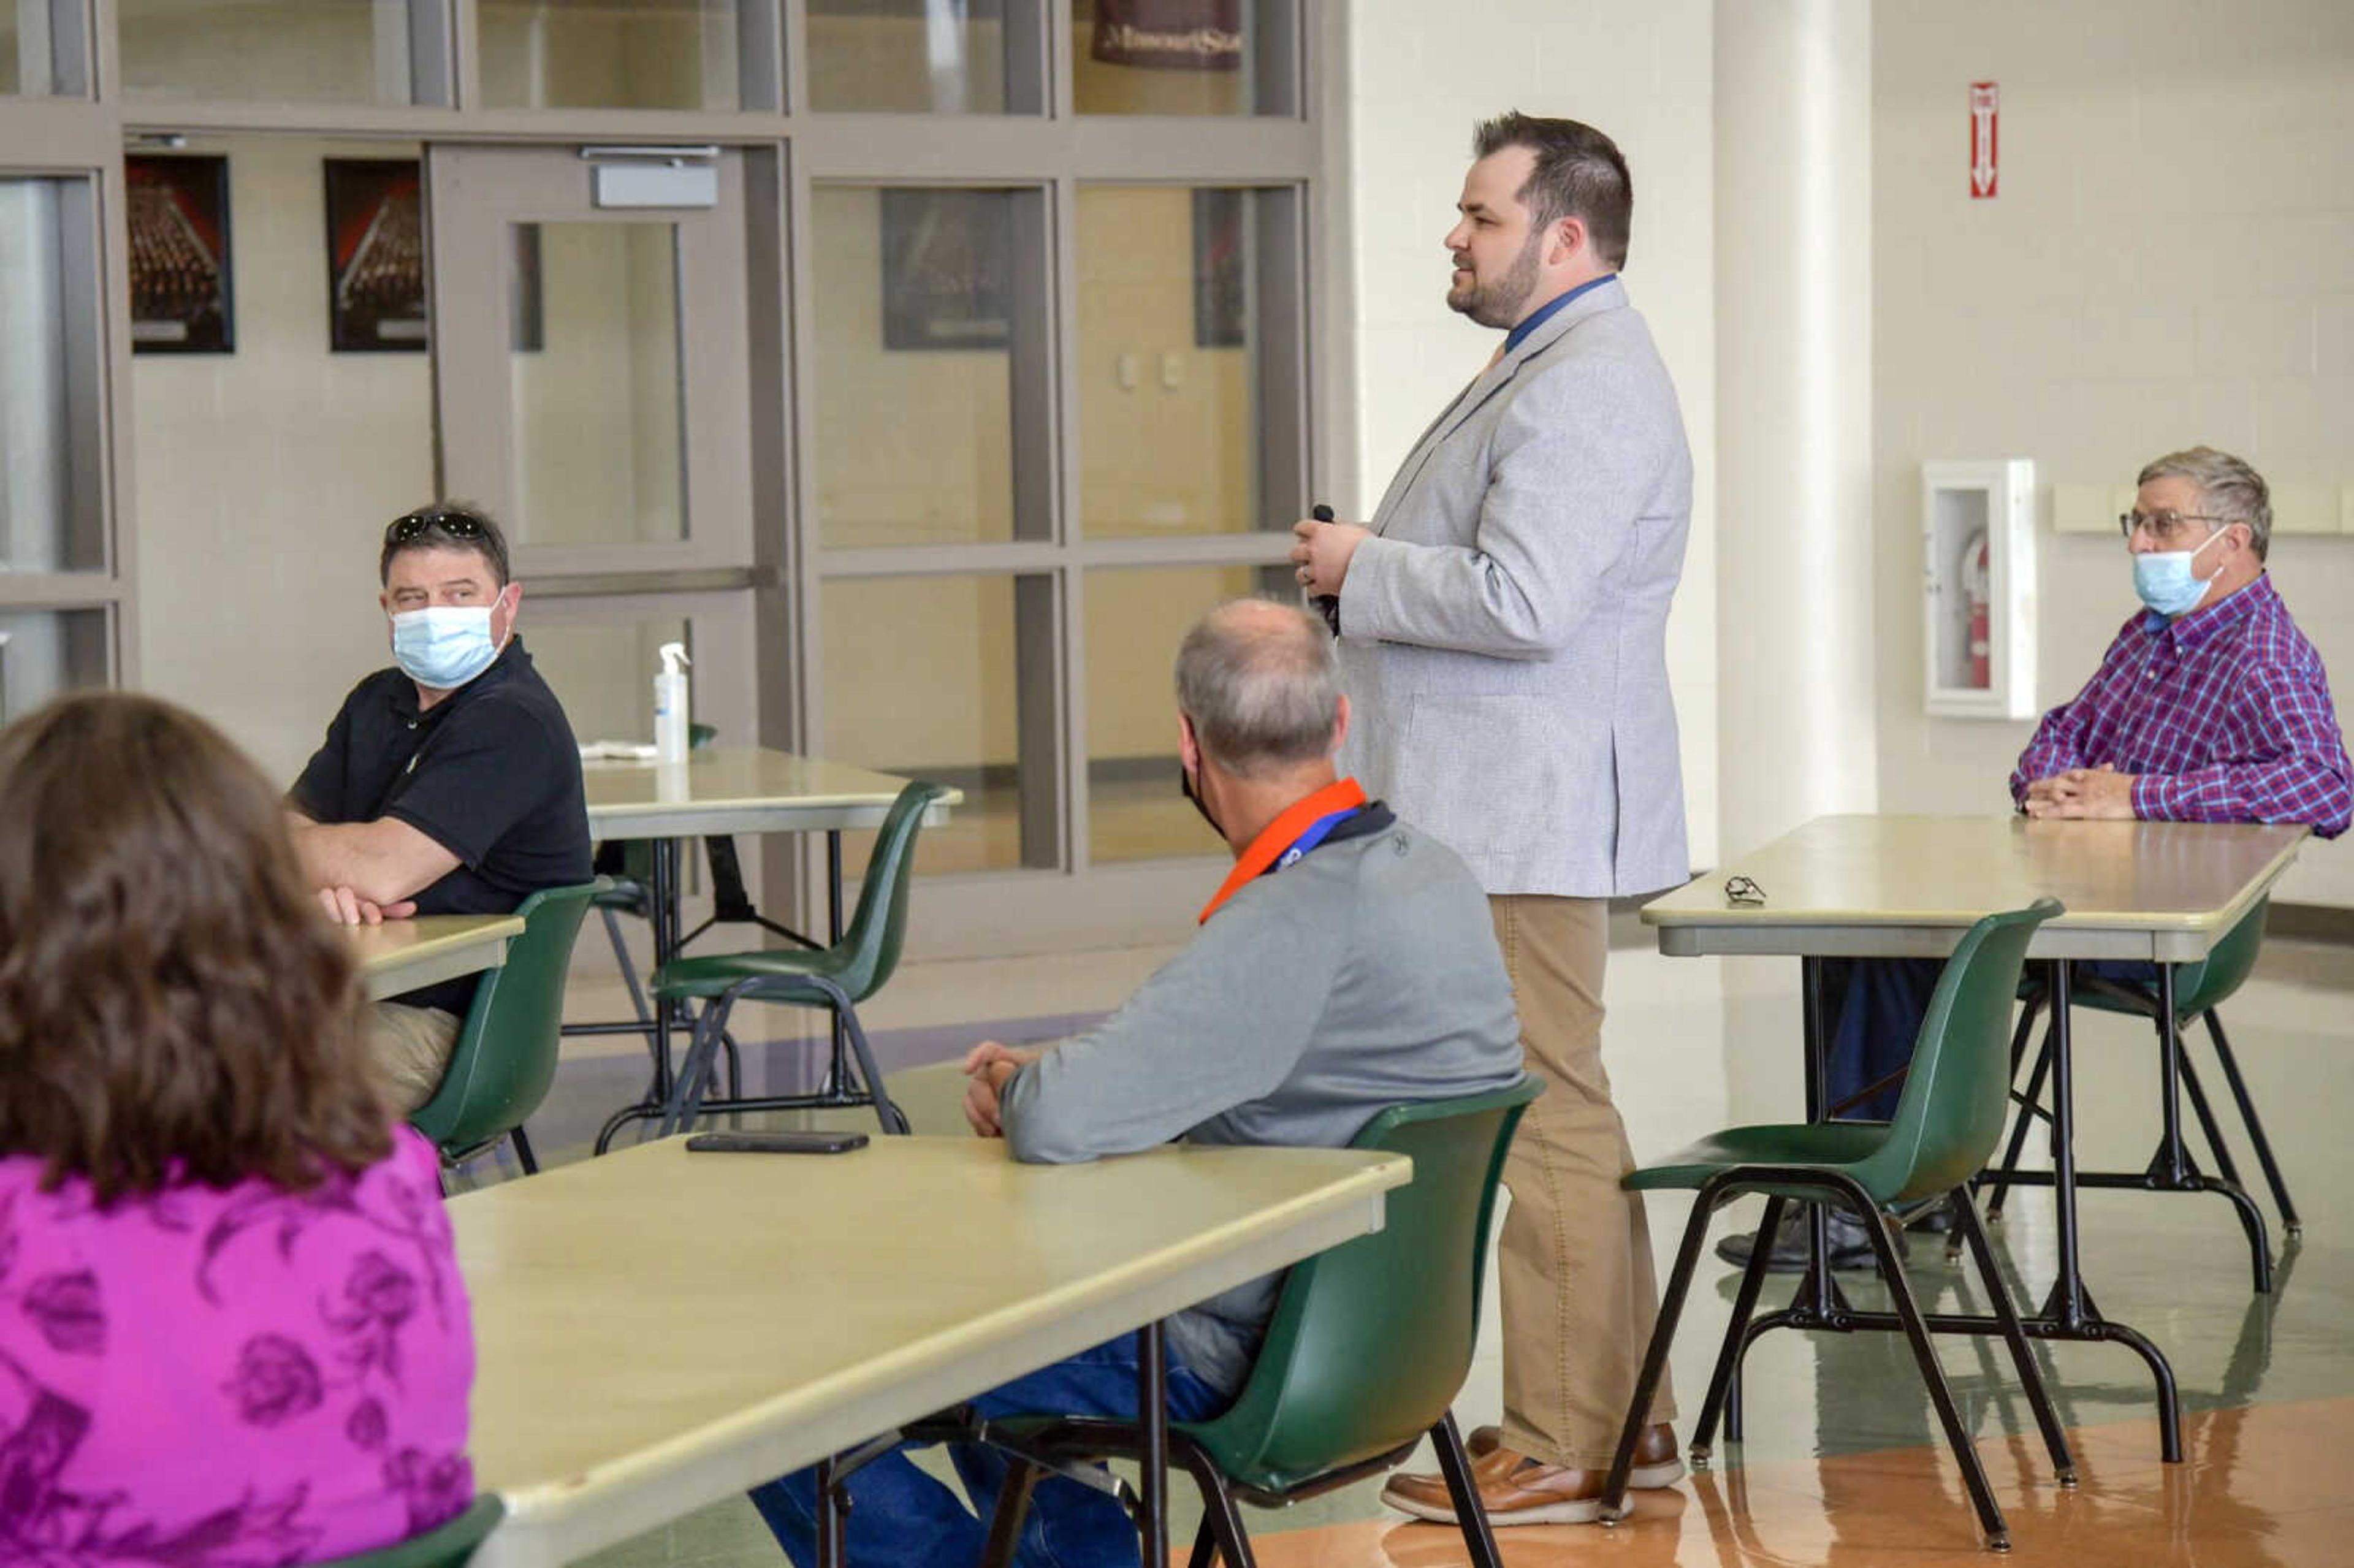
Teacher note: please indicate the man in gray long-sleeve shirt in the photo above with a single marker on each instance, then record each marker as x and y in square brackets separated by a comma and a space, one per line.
[1347, 964]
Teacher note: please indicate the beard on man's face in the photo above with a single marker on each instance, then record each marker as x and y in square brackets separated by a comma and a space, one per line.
[1499, 303]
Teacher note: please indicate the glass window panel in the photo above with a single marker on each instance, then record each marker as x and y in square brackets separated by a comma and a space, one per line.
[1135, 619]
[603, 671]
[914, 393]
[922, 679]
[48, 518]
[1168, 427]
[594, 383]
[12, 57]
[319, 51]
[1165, 56]
[907, 56]
[609, 54]
[46, 652]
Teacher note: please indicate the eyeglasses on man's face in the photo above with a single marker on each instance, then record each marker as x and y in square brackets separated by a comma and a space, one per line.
[2163, 527]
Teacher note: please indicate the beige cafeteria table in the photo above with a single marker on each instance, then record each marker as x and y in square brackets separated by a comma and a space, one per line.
[887, 1283]
[719, 791]
[402, 955]
[1908, 887]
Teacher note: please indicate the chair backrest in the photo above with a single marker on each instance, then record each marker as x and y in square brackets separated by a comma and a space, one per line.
[1957, 1094]
[1370, 1341]
[878, 927]
[505, 1054]
[2199, 986]
[447, 1547]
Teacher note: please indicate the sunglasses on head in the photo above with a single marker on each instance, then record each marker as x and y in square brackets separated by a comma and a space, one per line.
[417, 524]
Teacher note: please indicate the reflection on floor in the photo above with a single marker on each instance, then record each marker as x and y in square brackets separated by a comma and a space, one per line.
[1840, 1464]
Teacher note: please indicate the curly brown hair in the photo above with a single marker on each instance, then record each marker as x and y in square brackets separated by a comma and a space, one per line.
[173, 1006]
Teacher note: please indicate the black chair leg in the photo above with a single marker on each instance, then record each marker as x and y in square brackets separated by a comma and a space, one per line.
[1478, 1539]
[2030, 1375]
[638, 1002]
[1655, 1357]
[1916, 1332]
[523, 1151]
[2025, 1030]
[1005, 1521]
[1221, 1520]
[695, 1073]
[1205, 1547]
[1744, 1306]
[735, 1065]
[2018, 1131]
[893, 1120]
[2254, 1124]
[2225, 1166]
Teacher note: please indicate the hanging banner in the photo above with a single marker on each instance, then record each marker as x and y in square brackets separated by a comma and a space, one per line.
[1983, 106]
[1170, 35]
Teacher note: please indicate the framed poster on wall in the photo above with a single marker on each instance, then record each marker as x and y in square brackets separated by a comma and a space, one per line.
[375, 256]
[947, 270]
[181, 298]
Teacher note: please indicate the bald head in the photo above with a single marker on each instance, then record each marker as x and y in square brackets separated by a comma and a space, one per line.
[1260, 683]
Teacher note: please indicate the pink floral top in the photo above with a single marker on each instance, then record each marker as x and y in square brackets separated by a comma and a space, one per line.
[229, 1378]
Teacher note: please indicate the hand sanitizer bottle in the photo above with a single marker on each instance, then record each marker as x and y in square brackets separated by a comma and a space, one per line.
[670, 705]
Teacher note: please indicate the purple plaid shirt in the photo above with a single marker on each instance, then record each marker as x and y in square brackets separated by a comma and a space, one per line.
[2222, 717]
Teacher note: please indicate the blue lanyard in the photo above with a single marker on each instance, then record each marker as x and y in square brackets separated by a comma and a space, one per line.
[1317, 831]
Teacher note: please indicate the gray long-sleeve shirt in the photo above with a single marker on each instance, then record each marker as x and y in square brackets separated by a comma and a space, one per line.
[1362, 976]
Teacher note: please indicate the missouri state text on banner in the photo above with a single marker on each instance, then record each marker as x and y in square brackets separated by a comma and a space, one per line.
[1170, 35]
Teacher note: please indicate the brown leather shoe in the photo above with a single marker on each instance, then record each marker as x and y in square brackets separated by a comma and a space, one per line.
[1516, 1490]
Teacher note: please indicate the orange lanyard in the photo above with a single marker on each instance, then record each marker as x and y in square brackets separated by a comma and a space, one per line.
[1341, 795]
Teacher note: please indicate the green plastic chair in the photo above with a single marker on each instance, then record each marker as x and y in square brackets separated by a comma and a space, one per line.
[451, 1546]
[505, 1054]
[836, 978]
[2199, 990]
[1948, 1120]
[1368, 1346]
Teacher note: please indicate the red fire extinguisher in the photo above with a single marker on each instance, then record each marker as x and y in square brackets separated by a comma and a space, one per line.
[1976, 584]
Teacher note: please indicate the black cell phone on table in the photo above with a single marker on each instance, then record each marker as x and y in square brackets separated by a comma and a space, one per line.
[797, 1140]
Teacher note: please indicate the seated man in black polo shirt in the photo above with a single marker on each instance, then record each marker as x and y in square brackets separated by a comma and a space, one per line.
[447, 784]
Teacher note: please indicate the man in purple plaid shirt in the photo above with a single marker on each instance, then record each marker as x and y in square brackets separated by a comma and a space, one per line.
[2210, 706]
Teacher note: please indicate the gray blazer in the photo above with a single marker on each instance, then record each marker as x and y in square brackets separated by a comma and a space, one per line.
[1503, 639]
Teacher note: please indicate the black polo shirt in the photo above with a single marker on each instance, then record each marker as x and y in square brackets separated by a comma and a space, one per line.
[491, 773]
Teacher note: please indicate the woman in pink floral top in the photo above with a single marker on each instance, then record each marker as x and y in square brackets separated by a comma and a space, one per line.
[232, 1331]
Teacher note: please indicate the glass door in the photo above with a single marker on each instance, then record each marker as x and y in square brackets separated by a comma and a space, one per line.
[598, 402]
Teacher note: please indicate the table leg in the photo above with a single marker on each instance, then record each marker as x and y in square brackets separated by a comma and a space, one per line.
[2169, 1068]
[1152, 1417]
[1818, 1286]
[667, 919]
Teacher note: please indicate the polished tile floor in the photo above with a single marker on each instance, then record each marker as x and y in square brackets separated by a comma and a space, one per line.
[1841, 1465]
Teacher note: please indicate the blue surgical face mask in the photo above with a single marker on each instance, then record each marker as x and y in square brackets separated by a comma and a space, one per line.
[2166, 583]
[444, 645]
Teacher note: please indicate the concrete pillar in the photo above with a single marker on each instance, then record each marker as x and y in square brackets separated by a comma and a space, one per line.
[1794, 650]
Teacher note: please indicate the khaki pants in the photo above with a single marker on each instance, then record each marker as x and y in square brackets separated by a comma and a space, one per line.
[1578, 1288]
[411, 1046]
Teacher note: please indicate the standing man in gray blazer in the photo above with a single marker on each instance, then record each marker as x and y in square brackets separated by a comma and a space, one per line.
[1502, 628]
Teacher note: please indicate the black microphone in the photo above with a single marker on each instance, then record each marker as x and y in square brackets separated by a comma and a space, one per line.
[1327, 605]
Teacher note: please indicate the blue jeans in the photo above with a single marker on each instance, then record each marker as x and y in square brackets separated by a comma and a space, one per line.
[1876, 1007]
[899, 1515]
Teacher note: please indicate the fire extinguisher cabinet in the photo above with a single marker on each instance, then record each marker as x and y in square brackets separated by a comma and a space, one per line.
[1977, 527]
